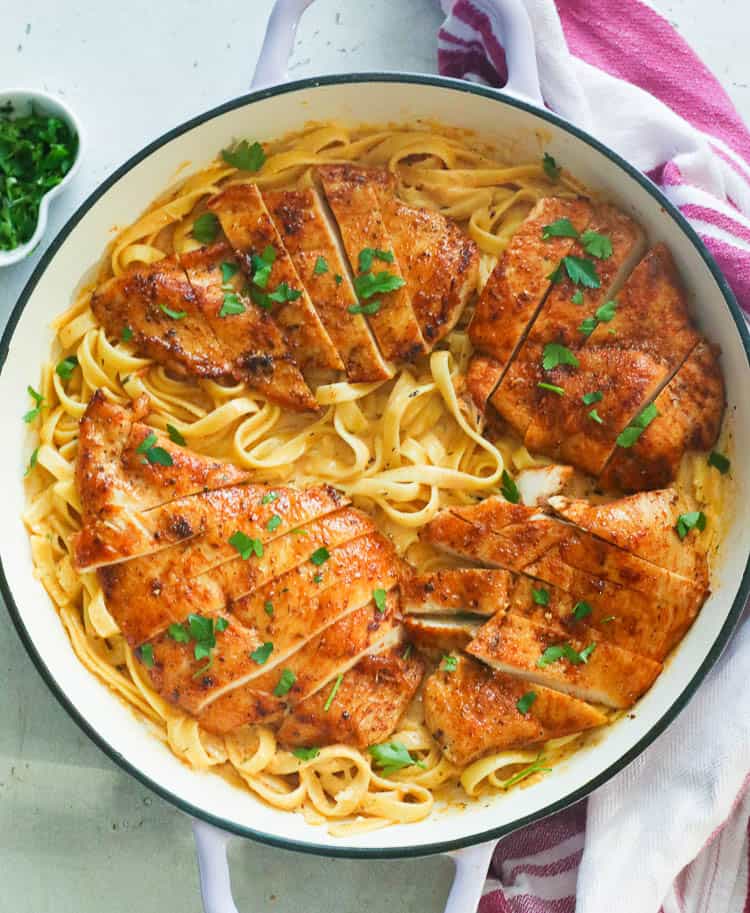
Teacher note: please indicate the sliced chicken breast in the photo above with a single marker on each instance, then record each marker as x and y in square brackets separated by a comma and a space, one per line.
[250, 337]
[482, 376]
[155, 306]
[690, 409]
[366, 708]
[539, 483]
[594, 671]
[472, 711]
[300, 217]
[442, 634]
[353, 199]
[475, 591]
[251, 232]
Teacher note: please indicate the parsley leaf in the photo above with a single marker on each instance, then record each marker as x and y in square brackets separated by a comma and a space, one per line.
[268, 608]
[32, 461]
[306, 754]
[564, 651]
[588, 325]
[368, 254]
[590, 398]
[175, 436]
[262, 265]
[523, 704]
[333, 692]
[321, 266]
[582, 272]
[551, 168]
[40, 404]
[719, 461]
[269, 497]
[228, 270]
[379, 597]
[231, 305]
[206, 228]
[178, 633]
[392, 756]
[605, 312]
[449, 663]
[533, 768]
[509, 488]
[320, 556]
[637, 426]
[127, 334]
[556, 354]
[596, 245]
[175, 315]
[553, 388]
[557, 273]
[152, 453]
[695, 519]
[561, 228]
[245, 545]
[282, 293]
[317, 578]
[372, 307]
[221, 624]
[540, 596]
[245, 156]
[577, 297]
[338, 279]
[595, 417]
[581, 610]
[147, 655]
[368, 284]
[66, 367]
[274, 523]
[261, 654]
[285, 682]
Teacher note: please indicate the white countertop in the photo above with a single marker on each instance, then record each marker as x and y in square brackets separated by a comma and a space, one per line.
[77, 834]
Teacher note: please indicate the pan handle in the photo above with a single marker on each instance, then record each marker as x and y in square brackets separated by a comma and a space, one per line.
[518, 40]
[216, 885]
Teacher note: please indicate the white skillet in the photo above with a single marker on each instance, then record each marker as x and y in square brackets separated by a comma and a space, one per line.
[515, 121]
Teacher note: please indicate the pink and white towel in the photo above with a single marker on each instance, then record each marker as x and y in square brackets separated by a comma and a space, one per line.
[670, 833]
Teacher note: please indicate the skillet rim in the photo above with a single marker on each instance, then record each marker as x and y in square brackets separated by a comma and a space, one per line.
[404, 851]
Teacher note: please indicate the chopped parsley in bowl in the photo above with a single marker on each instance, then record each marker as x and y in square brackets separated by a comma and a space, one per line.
[39, 149]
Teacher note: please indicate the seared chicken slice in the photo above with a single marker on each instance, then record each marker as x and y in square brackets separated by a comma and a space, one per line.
[441, 634]
[154, 305]
[439, 262]
[124, 468]
[300, 218]
[250, 338]
[690, 409]
[472, 711]
[482, 376]
[643, 524]
[591, 671]
[353, 199]
[519, 283]
[456, 591]
[539, 483]
[250, 230]
[563, 310]
[627, 359]
[207, 574]
[366, 708]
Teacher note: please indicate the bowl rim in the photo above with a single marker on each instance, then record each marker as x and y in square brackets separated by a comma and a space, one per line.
[17, 254]
[670, 713]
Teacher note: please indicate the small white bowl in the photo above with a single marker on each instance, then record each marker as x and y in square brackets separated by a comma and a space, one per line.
[22, 101]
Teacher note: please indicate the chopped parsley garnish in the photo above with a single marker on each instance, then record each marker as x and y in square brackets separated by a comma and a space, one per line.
[32, 461]
[719, 461]
[36, 152]
[606, 312]
[261, 654]
[564, 651]
[561, 228]
[509, 488]
[523, 704]
[535, 767]
[245, 545]
[635, 429]
[202, 632]
[127, 334]
[152, 453]
[577, 297]
[178, 633]
[175, 436]
[40, 404]
[695, 519]
[231, 305]
[268, 608]
[372, 307]
[147, 655]
[245, 156]
[274, 523]
[306, 754]
[338, 279]
[596, 245]
[206, 228]
[449, 663]
[595, 417]
[556, 354]
[540, 596]
[317, 578]
[321, 266]
[368, 284]
[594, 397]
[407, 652]
[392, 756]
[221, 624]
[553, 388]
[228, 271]
[320, 556]
[66, 367]
[175, 315]
[269, 497]
[262, 266]
[582, 272]
[379, 597]
[368, 254]
[581, 610]
[551, 168]
[333, 692]
[285, 682]
[588, 325]
[281, 294]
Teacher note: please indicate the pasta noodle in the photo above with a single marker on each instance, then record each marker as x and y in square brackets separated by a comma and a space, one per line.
[401, 450]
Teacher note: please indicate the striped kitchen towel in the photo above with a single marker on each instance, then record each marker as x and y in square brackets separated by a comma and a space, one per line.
[670, 833]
